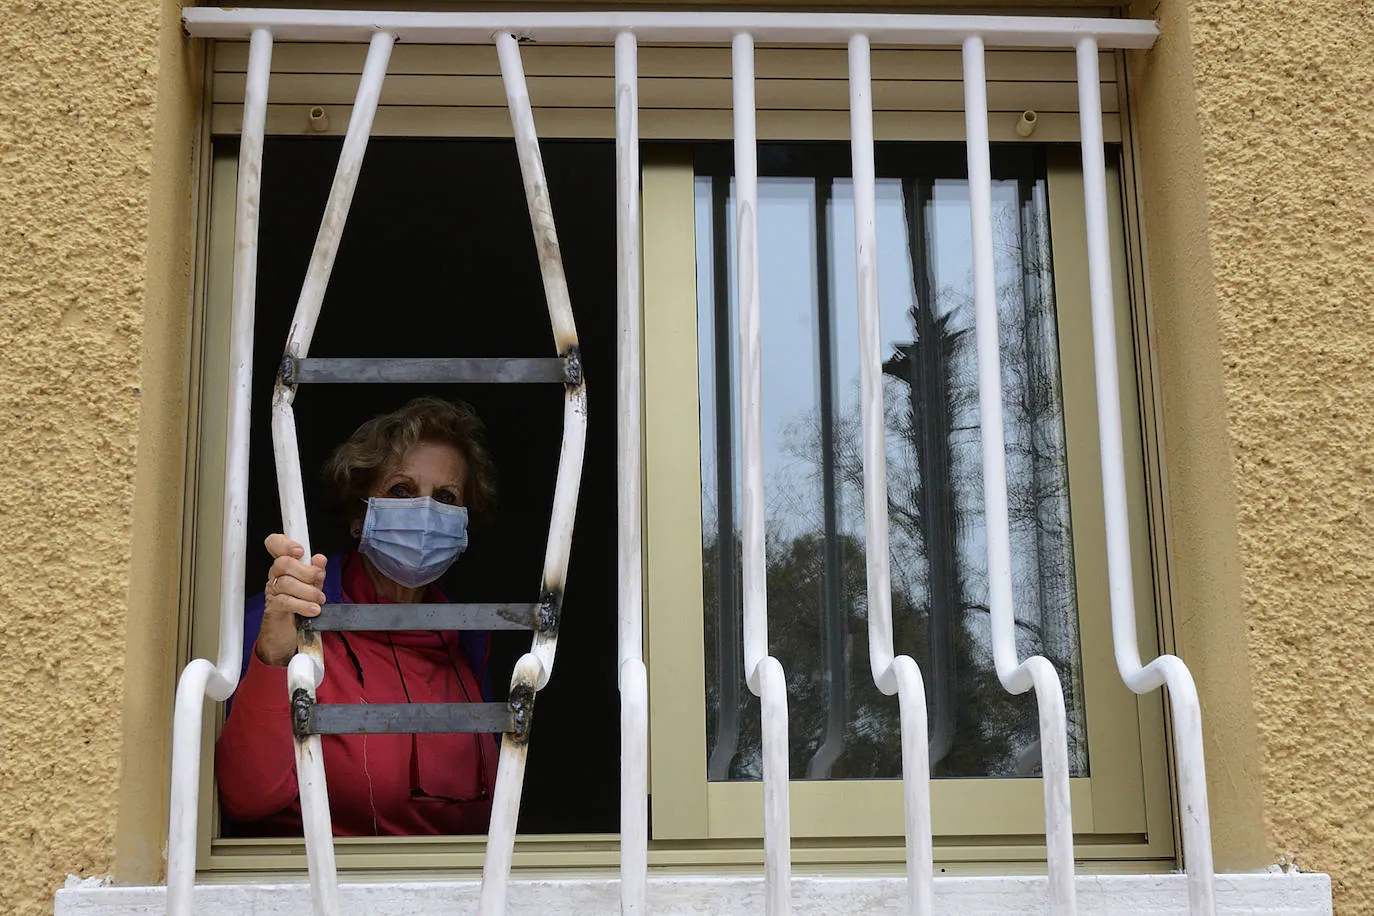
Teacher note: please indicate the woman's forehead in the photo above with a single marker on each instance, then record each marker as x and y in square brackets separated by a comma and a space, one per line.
[431, 460]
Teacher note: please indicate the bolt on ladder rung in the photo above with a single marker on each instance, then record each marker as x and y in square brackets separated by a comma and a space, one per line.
[563, 370]
[401, 718]
[390, 617]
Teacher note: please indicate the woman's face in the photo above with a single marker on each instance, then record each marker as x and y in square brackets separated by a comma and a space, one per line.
[428, 469]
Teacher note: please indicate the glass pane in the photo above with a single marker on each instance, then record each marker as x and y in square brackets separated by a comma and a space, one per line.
[841, 727]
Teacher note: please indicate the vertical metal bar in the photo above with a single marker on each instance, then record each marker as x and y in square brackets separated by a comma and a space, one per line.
[634, 698]
[1037, 672]
[1165, 670]
[200, 677]
[763, 673]
[898, 675]
[832, 622]
[729, 658]
[750, 359]
[533, 670]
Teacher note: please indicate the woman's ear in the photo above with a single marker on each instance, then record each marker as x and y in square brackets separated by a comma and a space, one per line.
[355, 528]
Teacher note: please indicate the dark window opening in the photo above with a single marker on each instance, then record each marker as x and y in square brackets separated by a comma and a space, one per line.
[438, 260]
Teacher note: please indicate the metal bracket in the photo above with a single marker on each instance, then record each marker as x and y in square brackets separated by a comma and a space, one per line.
[302, 713]
[522, 712]
[550, 613]
[572, 357]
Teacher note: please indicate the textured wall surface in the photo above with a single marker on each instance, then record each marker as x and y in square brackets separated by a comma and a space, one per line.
[1257, 142]
[1284, 139]
[1288, 135]
[79, 204]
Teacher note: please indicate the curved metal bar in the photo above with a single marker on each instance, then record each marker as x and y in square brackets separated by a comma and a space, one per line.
[533, 670]
[340, 196]
[763, 673]
[306, 669]
[510, 783]
[900, 675]
[565, 339]
[1166, 670]
[200, 678]
[1036, 672]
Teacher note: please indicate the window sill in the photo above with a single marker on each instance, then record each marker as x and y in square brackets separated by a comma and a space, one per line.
[1141, 895]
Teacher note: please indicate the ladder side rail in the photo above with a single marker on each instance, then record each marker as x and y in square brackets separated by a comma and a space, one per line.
[1165, 670]
[200, 678]
[1035, 673]
[533, 669]
[763, 673]
[633, 678]
[900, 675]
[306, 670]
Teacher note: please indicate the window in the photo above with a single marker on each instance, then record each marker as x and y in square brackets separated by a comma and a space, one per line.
[426, 248]
[844, 755]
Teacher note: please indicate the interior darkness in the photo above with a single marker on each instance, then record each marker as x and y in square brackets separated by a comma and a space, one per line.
[438, 260]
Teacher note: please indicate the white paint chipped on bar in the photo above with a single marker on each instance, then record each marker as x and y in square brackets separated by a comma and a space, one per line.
[1166, 670]
[669, 26]
[200, 678]
[631, 673]
[1035, 673]
[900, 675]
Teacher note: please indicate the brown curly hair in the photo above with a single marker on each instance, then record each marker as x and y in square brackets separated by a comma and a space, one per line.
[353, 469]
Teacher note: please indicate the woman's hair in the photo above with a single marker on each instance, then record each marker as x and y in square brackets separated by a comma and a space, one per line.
[353, 469]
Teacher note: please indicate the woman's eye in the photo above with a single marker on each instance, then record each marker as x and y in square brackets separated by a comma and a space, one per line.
[446, 497]
[399, 491]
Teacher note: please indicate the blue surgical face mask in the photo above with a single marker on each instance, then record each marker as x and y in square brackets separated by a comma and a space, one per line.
[413, 541]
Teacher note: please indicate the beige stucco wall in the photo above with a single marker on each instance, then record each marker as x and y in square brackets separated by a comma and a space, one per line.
[1256, 140]
[96, 145]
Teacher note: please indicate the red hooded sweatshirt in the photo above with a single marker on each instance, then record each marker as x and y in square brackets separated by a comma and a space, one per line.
[379, 785]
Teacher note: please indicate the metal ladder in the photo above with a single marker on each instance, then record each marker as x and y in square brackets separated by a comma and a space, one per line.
[512, 719]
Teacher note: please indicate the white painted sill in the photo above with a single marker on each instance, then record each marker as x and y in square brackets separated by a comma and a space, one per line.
[1137, 895]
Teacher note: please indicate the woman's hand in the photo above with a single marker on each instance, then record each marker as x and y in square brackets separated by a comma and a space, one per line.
[293, 587]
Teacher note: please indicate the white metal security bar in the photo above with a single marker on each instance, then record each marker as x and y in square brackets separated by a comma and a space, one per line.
[634, 682]
[1165, 670]
[899, 674]
[893, 674]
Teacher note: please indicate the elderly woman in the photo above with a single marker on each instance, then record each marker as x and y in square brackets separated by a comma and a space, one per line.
[407, 482]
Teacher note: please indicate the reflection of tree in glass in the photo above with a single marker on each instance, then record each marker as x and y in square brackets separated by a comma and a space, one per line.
[936, 528]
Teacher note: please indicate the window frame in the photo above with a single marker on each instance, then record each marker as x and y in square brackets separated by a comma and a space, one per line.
[1121, 810]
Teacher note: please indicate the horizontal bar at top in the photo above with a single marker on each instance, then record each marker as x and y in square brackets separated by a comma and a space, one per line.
[665, 92]
[664, 61]
[914, 29]
[410, 719]
[370, 370]
[684, 125]
[350, 617]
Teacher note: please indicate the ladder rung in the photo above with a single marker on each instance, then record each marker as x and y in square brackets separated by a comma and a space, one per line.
[410, 719]
[435, 371]
[349, 617]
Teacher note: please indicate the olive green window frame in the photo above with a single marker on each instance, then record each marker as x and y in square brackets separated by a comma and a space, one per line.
[1122, 809]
